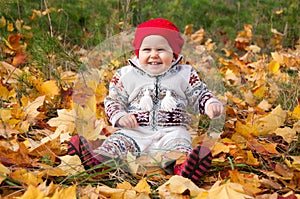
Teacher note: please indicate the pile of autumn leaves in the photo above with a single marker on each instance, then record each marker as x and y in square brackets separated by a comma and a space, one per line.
[256, 155]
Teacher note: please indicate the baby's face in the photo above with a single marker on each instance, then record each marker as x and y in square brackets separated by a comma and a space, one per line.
[155, 54]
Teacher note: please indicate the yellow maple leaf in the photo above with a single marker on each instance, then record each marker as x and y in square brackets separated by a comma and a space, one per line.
[33, 192]
[116, 193]
[260, 91]
[6, 94]
[277, 57]
[264, 105]
[124, 185]
[220, 148]
[246, 129]
[48, 146]
[5, 115]
[66, 193]
[143, 187]
[64, 121]
[70, 164]
[87, 123]
[250, 182]
[272, 121]
[228, 190]
[177, 186]
[27, 177]
[49, 88]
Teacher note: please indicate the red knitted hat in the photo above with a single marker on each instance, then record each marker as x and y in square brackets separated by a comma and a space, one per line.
[161, 27]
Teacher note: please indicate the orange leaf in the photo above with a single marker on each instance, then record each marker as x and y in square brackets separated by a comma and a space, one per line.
[14, 41]
[10, 157]
[251, 159]
[188, 29]
[261, 147]
[296, 112]
[19, 59]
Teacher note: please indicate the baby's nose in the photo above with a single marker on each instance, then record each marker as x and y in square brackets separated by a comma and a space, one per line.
[154, 53]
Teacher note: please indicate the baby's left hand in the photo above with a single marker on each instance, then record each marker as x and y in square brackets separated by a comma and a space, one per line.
[214, 109]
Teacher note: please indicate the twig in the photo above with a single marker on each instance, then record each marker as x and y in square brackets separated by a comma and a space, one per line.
[49, 18]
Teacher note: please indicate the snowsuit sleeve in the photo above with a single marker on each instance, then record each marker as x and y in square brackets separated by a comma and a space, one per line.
[197, 93]
[116, 102]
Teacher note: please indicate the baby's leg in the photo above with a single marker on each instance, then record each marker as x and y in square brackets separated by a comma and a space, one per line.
[196, 164]
[115, 146]
[78, 145]
[118, 145]
[197, 161]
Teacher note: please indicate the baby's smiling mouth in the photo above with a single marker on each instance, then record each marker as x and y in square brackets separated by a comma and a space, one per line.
[154, 63]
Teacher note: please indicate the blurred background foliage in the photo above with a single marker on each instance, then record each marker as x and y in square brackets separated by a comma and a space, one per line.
[88, 22]
[54, 29]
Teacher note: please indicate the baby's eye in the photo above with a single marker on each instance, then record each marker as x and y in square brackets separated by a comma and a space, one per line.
[146, 49]
[160, 49]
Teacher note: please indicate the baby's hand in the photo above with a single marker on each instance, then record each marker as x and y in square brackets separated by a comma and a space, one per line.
[214, 109]
[128, 121]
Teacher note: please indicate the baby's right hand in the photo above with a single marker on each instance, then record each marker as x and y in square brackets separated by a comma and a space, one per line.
[128, 121]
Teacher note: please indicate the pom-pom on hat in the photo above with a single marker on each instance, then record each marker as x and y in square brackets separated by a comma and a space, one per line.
[161, 27]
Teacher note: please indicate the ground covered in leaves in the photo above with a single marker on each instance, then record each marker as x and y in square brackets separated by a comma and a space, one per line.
[256, 154]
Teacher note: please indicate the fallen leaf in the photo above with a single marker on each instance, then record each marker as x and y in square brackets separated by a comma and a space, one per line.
[143, 189]
[3, 172]
[274, 67]
[66, 193]
[228, 190]
[70, 164]
[50, 88]
[262, 148]
[124, 185]
[31, 109]
[296, 112]
[251, 159]
[287, 133]
[19, 59]
[26, 177]
[272, 121]
[65, 120]
[250, 182]
[283, 171]
[116, 193]
[33, 192]
[293, 162]
[177, 187]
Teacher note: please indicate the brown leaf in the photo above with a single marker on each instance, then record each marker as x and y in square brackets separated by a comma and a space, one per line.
[261, 147]
[283, 171]
[10, 157]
